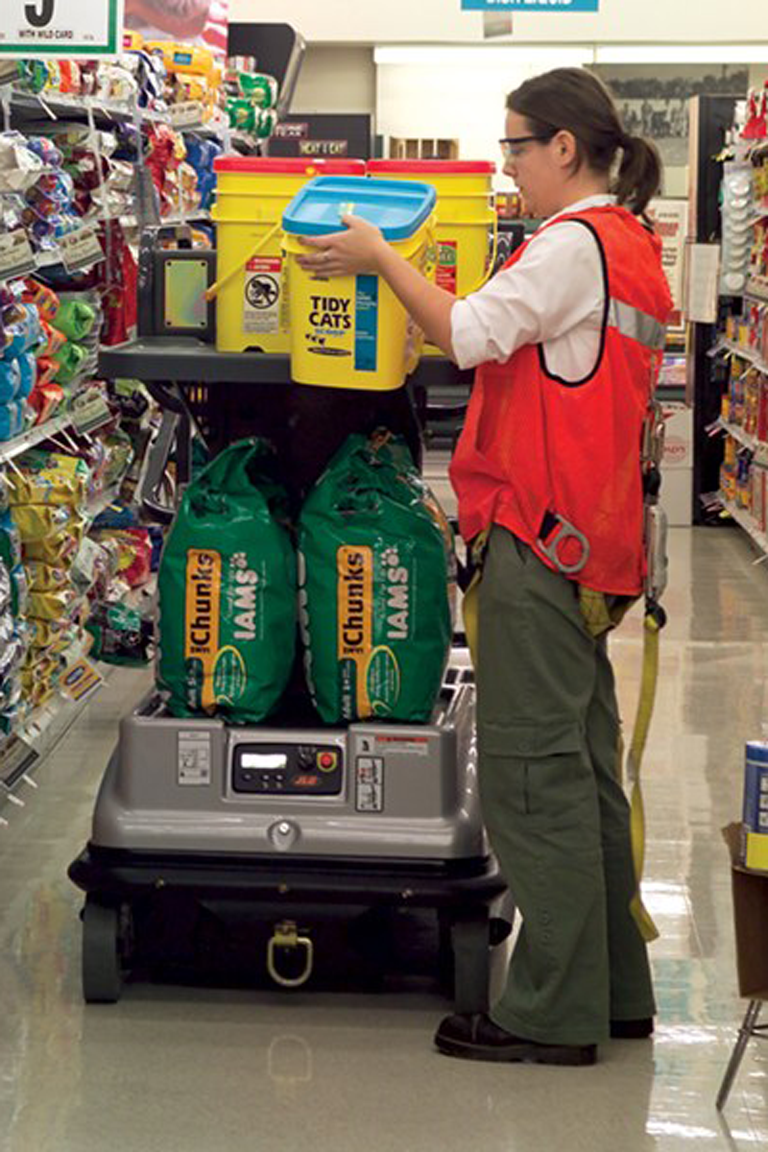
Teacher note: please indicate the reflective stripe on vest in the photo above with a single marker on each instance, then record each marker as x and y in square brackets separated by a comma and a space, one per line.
[636, 325]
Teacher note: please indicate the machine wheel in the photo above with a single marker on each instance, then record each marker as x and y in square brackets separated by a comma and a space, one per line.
[101, 957]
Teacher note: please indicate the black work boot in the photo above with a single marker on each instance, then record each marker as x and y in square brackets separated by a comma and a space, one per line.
[474, 1036]
[632, 1029]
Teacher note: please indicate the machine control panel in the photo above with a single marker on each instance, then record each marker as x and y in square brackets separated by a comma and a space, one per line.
[287, 769]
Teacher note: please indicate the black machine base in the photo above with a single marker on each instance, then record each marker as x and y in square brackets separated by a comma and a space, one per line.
[145, 911]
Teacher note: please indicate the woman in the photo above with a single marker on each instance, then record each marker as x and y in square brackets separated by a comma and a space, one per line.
[566, 339]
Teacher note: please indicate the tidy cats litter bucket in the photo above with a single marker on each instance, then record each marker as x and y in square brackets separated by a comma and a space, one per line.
[465, 218]
[352, 331]
[251, 194]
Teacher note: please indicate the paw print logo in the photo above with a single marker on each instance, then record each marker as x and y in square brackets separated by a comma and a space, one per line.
[390, 557]
[239, 560]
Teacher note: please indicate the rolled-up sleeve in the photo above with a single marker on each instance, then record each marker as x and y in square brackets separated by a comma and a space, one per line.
[556, 284]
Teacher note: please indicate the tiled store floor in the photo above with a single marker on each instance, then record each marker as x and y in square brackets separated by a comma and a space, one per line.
[184, 1069]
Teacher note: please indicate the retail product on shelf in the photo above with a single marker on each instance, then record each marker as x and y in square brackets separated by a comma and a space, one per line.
[133, 548]
[37, 193]
[745, 458]
[754, 840]
[13, 594]
[756, 125]
[737, 226]
[194, 76]
[201, 154]
[174, 179]
[21, 333]
[251, 100]
[47, 496]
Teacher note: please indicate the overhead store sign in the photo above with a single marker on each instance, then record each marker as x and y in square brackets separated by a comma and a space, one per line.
[66, 28]
[530, 5]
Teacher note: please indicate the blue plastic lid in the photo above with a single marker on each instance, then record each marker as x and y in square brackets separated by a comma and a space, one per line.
[757, 750]
[397, 207]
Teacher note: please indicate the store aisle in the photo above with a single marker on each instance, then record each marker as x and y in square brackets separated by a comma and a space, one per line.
[185, 1070]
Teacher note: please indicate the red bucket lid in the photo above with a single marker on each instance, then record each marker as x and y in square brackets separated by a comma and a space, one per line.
[436, 167]
[269, 165]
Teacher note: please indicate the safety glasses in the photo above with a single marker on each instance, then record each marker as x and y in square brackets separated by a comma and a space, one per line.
[510, 145]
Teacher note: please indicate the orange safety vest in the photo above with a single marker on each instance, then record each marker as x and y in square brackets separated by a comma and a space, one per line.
[556, 462]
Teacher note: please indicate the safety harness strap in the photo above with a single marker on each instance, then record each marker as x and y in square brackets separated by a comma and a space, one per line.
[652, 625]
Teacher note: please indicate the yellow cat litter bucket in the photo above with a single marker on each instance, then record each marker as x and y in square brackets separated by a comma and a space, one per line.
[467, 225]
[352, 331]
[252, 193]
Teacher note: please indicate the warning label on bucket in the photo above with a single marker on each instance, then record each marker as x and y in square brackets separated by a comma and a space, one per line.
[261, 294]
[445, 276]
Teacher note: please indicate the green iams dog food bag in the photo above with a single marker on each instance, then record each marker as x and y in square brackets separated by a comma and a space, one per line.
[227, 589]
[376, 586]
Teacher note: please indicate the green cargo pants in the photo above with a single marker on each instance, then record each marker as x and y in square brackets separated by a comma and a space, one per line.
[558, 820]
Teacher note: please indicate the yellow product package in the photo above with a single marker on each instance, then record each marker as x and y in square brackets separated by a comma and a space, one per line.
[58, 548]
[52, 605]
[36, 521]
[49, 478]
[39, 662]
[45, 633]
[45, 672]
[44, 577]
[40, 694]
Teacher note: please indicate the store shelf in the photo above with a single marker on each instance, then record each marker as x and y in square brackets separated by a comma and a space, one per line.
[201, 214]
[759, 448]
[42, 731]
[36, 435]
[41, 432]
[51, 258]
[26, 106]
[745, 353]
[745, 521]
[33, 741]
[54, 259]
[60, 106]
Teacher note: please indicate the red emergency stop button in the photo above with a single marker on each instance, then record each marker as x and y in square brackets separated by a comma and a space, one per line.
[326, 761]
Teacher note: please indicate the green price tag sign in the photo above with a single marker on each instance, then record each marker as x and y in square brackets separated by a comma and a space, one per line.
[61, 29]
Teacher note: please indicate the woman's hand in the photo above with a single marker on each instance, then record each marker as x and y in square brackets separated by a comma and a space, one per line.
[357, 249]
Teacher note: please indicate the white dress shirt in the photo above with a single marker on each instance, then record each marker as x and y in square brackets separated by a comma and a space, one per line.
[553, 296]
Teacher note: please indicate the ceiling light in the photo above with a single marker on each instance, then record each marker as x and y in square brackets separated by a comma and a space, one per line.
[544, 56]
[682, 54]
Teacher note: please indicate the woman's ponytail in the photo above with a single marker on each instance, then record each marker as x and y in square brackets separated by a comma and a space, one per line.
[639, 176]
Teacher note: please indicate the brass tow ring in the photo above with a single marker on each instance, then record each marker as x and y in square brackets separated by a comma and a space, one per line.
[286, 935]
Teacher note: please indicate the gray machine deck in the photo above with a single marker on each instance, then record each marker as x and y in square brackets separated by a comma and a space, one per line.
[371, 790]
